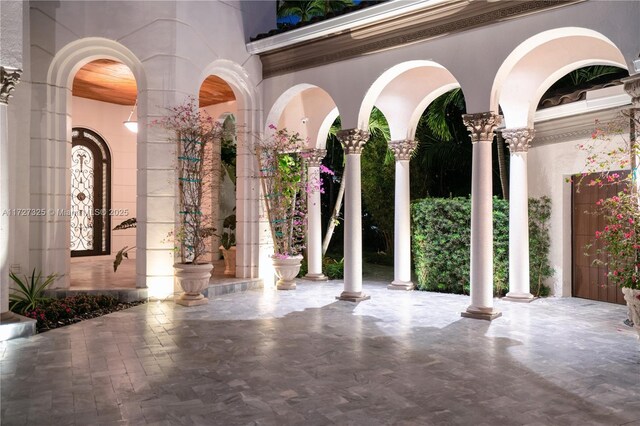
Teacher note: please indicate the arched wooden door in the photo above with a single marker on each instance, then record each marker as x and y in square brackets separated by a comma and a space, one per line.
[90, 194]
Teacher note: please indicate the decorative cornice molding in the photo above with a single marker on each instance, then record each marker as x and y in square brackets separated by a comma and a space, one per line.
[403, 149]
[426, 23]
[314, 157]
[481, 125]
[518, 140]
[632, 87]
[9, 77]
[353, 140]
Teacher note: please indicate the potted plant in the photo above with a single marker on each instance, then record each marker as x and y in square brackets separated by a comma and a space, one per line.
[285, 184]
[228, 244]
[618, 244]
[193, 131]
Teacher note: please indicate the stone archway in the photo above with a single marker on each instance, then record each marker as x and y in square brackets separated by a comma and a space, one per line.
[53, 253]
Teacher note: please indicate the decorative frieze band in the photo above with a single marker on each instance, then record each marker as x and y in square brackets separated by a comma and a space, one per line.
[632, 87]
[353, 140]
[518, 140]
[314, 157]
[403, 149]
[481, 125]
[9, 77]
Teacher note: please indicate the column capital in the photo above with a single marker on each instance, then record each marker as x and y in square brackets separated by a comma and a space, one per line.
[518, 140]
[9, 77]
[314, 157]
[632, 87]
[481, 125]
[353, 140]
[403, 149]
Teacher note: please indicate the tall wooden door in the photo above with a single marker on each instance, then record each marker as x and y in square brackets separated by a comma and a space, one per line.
[590, 281]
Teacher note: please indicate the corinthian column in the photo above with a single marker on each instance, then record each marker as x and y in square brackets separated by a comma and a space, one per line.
[314, 222]
[402, 150]
[9, 77]
[518, 141]
[353, 140]
[481, 127]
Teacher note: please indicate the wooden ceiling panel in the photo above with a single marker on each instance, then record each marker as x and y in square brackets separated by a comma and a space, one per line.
[215, 90]
[107, 81]
[111, 81]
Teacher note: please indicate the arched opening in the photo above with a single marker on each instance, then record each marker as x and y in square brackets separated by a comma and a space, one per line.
[103, 173]
[218, 100]
[554, 85]
[312, 113]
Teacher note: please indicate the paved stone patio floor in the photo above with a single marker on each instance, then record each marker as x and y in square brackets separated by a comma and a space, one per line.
[303, 358]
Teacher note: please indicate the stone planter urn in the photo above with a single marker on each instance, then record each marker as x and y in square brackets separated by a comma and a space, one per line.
[632, 297]
[286, 269]
[193, 279]
[229, 260]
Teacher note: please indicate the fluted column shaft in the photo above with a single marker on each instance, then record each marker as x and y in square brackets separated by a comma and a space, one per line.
[353, 140]
[402, 150]
[9, 77]
[314, 217]
[481, 127]
[518, 141]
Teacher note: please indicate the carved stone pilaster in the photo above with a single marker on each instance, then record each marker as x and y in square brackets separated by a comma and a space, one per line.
[403, 149]
[9, 77]
[518, 140]
[481, 125]
[353, 140]
[632, 87]
[314, 157]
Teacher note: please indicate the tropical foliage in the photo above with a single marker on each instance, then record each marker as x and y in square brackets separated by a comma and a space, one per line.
[304, 10]
[29, 292]
[539, 245]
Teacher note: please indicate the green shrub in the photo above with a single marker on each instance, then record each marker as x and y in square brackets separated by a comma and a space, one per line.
[332, 268]
[29, 292]
[441, 241]
[539, 244]
[442, 238]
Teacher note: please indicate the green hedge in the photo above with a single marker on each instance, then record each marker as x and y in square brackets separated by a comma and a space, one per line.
[441, 241]
[442, 237]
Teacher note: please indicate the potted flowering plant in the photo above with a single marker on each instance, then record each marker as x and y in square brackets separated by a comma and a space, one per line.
[193, 131]
[610, 154]
[285, 184]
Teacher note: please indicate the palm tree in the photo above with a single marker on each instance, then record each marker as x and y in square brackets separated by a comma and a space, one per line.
[307, 9]
[443, 118]
[378, 126]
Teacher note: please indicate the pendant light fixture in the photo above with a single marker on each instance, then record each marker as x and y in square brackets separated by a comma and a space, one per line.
[132, 126]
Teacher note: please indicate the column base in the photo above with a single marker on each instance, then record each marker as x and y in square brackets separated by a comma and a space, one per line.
[488, 314]
[353, 297]
[519, 297]
[401, 285]
[14, 326]
[316, 277]
[9, 317]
